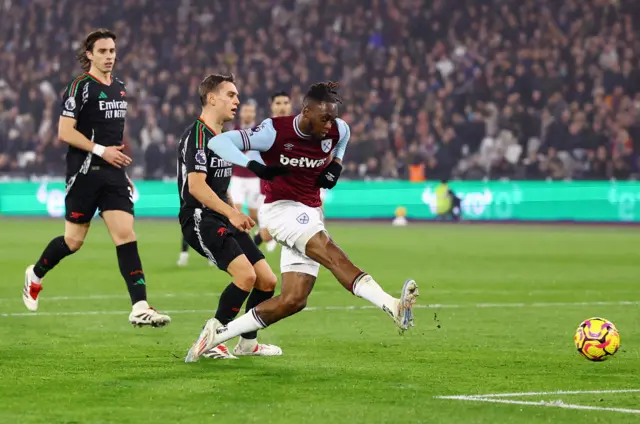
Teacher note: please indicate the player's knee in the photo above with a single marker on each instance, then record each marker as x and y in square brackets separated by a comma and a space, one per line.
[294, 303]
[73, 244]
[124, 237]
[267, 283]
[245, 279]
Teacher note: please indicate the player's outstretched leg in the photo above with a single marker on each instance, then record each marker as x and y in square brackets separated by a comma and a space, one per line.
[120, 226]
[296, 288]
[57, 249]
[323, 250]
[183, 259]
[263, 290]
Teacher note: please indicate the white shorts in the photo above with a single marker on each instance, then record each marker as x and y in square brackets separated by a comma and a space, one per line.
[245, 191]
[292, 224]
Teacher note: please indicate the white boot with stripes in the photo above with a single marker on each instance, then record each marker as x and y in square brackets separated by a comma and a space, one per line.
[144, 315]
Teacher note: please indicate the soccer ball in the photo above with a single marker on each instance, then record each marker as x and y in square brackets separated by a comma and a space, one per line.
[597, 339]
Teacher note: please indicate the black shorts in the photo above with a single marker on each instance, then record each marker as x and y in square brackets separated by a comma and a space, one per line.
[103, 188]
[216, 239]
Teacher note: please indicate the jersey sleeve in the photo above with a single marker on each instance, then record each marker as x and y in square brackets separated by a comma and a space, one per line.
[345, 134]
[195, 154]
[73, 98]
[254, 155]
[231, 144]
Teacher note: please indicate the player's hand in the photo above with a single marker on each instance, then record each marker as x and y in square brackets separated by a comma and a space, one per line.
[329, 176]
[242, 222]
[113, 156]
[268, 172]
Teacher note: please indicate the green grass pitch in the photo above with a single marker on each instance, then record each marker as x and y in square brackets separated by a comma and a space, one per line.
[507, 300]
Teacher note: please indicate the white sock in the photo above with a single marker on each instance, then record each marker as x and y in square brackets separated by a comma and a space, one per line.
[34, 278]
[247, 322]
[367, 288]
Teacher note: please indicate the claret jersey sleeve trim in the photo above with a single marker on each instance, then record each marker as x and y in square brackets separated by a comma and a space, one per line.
[231, 144]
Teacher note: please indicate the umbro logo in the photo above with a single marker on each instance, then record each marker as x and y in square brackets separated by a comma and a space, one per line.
[288, 146]
[102, 95]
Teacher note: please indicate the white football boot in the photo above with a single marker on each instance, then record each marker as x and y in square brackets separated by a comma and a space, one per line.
[244, 348]
[144, 315]
[219, 352]
[205, 342]
[30, 290]
[404, 312]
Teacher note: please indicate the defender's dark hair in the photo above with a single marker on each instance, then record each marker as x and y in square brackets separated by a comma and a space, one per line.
[323, 92]
[89, 42]
[279, 94]
[211, 83]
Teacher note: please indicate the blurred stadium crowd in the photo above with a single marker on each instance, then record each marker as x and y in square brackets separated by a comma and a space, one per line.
[526, 89]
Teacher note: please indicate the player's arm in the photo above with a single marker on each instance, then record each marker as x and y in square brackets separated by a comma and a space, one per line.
[330, 175]
[196, 162]
[199, 189]
[72, 102]
[231, 145]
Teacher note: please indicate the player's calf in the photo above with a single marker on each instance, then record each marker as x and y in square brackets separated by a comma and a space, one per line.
[57, 249]
[323, 250]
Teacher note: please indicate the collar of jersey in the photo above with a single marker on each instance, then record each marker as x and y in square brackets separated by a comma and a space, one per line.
[296, 127]
[206, 126]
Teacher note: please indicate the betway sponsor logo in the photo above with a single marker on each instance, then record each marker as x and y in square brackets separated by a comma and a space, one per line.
[112, 104]
[302, 162]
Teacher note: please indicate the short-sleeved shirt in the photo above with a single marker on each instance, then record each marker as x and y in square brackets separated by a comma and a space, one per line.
[100, 111]
[193, 156]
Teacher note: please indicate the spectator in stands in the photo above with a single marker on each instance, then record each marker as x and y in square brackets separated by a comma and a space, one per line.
[475, 88]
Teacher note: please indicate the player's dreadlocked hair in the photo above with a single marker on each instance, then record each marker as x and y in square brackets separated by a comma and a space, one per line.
[323, 92]
[88, 43]
[211, 83]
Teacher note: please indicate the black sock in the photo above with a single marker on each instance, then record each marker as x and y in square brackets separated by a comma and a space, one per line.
[131, 270]
[231, 301]
[255, 298]
[55, 251]
[257, 239]
[185, 245]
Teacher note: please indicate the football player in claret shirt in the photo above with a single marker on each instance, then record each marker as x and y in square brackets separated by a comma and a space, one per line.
[94, 108]
[310, 146]
[212, 225]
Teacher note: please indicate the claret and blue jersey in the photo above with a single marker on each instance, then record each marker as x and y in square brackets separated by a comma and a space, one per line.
[280, 141]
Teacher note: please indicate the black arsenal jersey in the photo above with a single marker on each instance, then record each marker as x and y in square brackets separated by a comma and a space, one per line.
[100, 111]
[194, 156]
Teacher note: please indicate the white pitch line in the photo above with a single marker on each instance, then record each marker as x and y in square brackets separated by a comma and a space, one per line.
[119, 296]
[338, 308]
[555, 404]
[561, 392]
